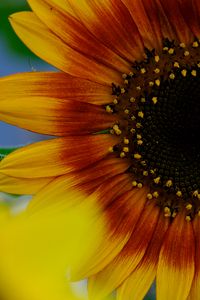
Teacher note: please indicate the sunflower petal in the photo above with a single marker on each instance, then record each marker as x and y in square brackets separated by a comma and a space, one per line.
[54, 84]
[19, 186]
[191, 13]
[138, 283]
[56, 156]
[118, 32]
[54, 116]
[176, 261]
[125, 262]
[195, 289]
[74, 34]
[52, 49]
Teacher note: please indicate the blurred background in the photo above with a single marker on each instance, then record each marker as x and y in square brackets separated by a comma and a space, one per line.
[15, 58]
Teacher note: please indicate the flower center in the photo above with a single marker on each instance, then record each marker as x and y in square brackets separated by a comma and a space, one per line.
[159, 124]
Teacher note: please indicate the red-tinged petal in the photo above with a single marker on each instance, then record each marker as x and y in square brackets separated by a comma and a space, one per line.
[195, 289]
[56, 156]
[122, 216]
[191, 13]
[88, 180]
[138, 283]
[126, 261]
[111, 24]
[54, 116]
[176, 261]
[54, 84]
[22, 186]
[74, 34]
[39, 39]
[175, 17]
[145, 16]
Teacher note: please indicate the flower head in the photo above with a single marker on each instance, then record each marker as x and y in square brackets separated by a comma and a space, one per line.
[130, 69]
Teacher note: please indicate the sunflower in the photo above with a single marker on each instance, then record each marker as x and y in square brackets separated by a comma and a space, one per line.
[125, 113]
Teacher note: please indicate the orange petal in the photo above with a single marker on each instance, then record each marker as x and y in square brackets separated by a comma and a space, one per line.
[176, 261]
[56, 156]
[111, 24]
[145, 16]
[26, 186]
[175, 17]
[138, 283]
[75, 35]
[122, 216]
[88, 180]
[54, 116]
[52, 49]
[191, 13]
[195, 289]
[54, 84]
[125, 262]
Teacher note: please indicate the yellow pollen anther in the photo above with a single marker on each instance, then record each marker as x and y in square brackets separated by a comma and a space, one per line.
[151, 83]
[110, 149]
[126, 149]
[126, 141]
[140, 114]
[157, 70]
[131, 74]
[174, 214]
[165, 48]
[132, 100]
[155, 100]
[194, 73]
[122, 154]
[155, 194]
[176, 64]
[126, 81]
[198, 196]
[140, 142]
[139, 185]
[109, 109]
[126, 111]
[139, 136]
[167, 210]
[172, 76]
[199, 213]
[188, 206]
[138, 88]
[145, 173]
[169, 183]
[143, 100]
[157, 82]
[149, 196]
[133, 118]
[143, 71]
[156, 58]
[171, 51]
[116, 129]
[184, 72]
[157, 180]
[143, 163]
[195, 44]
[195, 193]
[138, 125]
[132, 130]
[137, 156]
[179, 193]
[198, 65]
[188, 218]
[152, 171]
[123, 90]
[124, 76]
[182, 45]
[186, 53]
[115, 101]
[134, 183]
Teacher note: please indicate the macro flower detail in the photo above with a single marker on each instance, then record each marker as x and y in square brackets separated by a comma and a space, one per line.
[124, 110]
